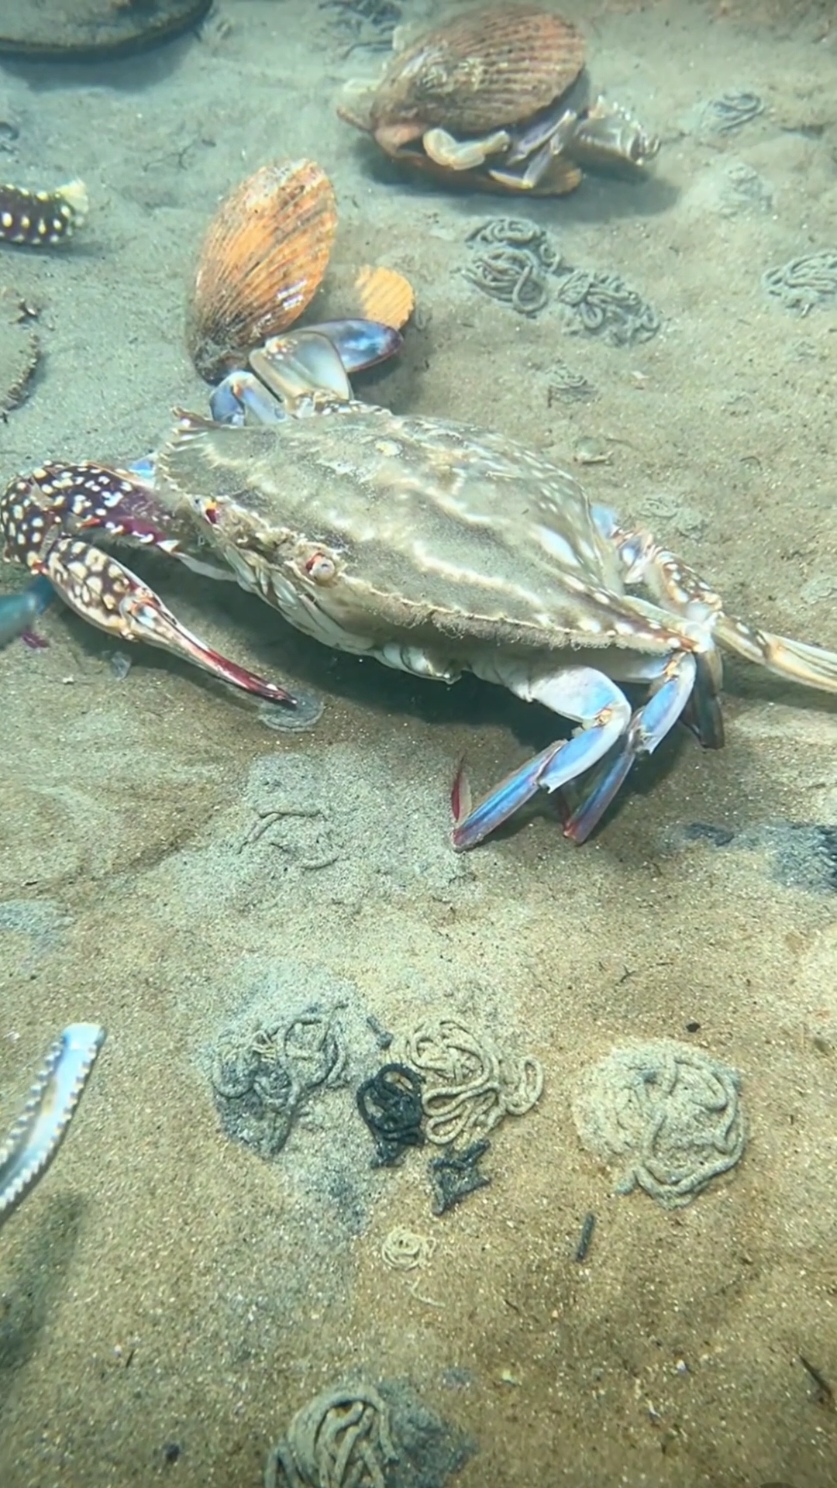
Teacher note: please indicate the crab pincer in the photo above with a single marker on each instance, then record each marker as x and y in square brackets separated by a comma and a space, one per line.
[43, 515]
[246, 397]
[31, 1144]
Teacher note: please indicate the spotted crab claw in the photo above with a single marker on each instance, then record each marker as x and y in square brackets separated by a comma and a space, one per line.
[41, 516]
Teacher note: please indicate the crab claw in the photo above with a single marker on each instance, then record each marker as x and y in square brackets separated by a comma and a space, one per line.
[361, 344]
[35, 513]
[109, 595]
[327, 353]
[648, 727]
[242, 399]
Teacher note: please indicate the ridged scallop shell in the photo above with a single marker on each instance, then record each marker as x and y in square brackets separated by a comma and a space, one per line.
[385, 295]
[261, 263]
[483, 70]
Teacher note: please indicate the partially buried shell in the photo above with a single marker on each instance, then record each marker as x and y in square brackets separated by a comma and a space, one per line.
[385, 296]
[481, 71]
[261, 263]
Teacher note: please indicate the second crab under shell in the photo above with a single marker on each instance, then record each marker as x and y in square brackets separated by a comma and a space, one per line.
[500, 100]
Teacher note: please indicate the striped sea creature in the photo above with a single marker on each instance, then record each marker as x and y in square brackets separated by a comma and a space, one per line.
[36, 1136]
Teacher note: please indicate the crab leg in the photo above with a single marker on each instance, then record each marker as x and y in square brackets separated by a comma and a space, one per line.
[580, 693]
[702, 713]
[611, 737]
[683, 592]
[41, 513]
[681, 589]
[648, 727]
[813, 666]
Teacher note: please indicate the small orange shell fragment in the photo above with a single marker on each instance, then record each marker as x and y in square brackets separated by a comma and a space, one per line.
[385, 295]
[262, 261]
[483, 70]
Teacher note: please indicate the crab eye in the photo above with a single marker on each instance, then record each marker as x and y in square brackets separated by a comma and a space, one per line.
[321, 568]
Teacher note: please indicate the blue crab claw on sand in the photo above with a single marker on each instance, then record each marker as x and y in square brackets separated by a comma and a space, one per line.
[39, 1130]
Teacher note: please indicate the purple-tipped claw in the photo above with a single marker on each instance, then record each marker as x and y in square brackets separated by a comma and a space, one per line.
[146, 618]
[502, 802]
[361, 343]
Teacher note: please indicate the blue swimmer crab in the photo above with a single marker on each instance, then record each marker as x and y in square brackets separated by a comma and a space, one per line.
[433, 546]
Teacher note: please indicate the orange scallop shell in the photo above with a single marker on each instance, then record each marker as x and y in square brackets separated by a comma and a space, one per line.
[261, 263]
[485, 69]
[385, 295]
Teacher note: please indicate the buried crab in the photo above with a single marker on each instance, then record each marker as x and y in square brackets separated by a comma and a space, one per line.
[434, 547]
